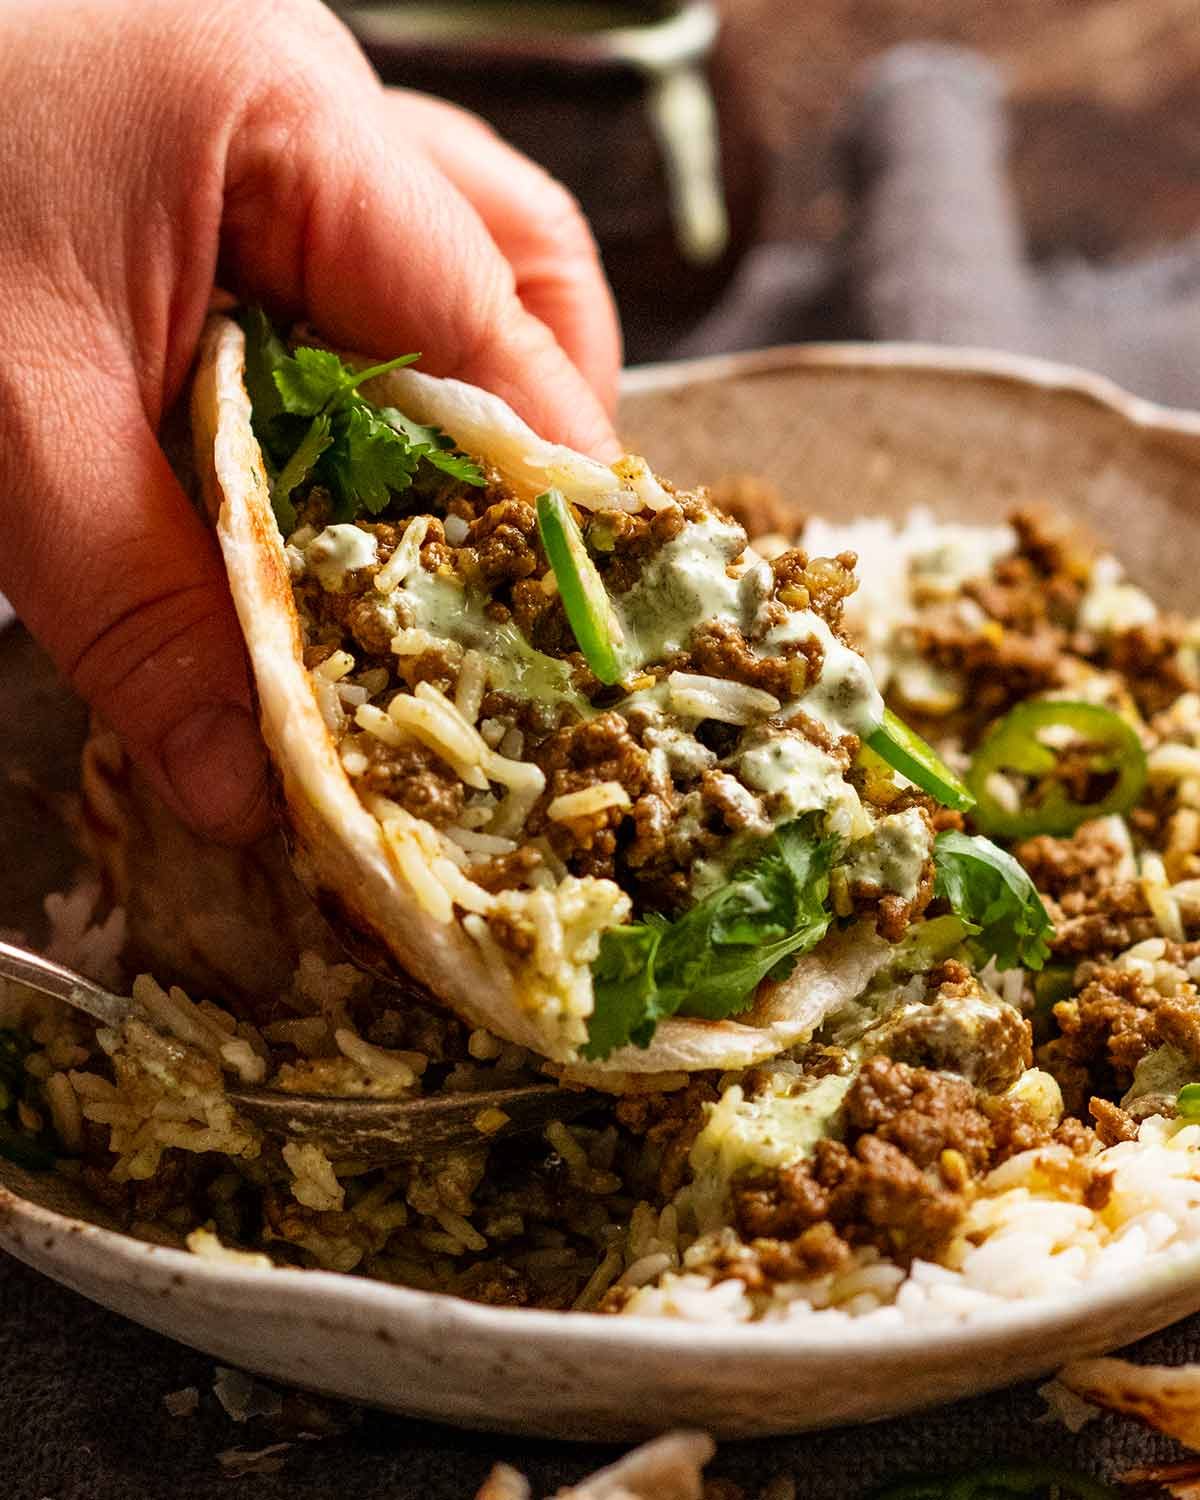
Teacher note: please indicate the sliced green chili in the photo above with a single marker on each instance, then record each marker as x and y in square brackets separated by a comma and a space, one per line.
[906, 752]
[1187, 1102]
[1031, 745]
[580, 587]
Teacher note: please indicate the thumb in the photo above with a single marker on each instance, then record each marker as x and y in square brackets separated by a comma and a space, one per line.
[389, 256]
[118, 577]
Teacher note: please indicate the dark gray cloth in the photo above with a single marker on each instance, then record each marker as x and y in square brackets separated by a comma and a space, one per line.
[936, 255]
[82, 1418]
[936, 251]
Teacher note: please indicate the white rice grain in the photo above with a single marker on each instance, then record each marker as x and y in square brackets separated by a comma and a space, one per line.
[588, 801]
[701, 697]
[405, 558]
[472, 680]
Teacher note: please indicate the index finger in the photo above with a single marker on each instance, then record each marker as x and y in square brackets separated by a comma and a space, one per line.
[537, 225]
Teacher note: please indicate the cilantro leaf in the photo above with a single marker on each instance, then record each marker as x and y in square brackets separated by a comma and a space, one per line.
[990, 892]
[626, 996]
[309, 381]
[710, 961]
[316, 380]
[296, 471]
[432, 444]
[366, 463]
[313, 423]
[265, 351]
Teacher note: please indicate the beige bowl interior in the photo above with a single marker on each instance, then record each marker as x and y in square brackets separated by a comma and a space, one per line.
[841, 431]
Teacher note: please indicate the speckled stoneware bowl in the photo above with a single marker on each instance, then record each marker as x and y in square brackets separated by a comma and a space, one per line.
[843, 430]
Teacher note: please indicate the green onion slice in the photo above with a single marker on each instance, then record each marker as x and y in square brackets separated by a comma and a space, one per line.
[580, 587]
[906, 752]
[1029, 745]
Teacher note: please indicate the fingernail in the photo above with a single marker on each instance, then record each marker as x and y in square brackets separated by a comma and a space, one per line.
[216, 764]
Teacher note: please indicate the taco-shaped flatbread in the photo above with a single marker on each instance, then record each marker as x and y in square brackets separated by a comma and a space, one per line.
[551, 733]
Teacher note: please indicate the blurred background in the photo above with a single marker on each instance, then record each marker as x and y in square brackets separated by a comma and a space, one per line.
[696, 134]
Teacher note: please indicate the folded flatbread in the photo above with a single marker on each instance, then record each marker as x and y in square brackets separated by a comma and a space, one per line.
[589, 869]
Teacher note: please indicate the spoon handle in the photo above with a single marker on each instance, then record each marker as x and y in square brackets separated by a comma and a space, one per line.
[64, 984]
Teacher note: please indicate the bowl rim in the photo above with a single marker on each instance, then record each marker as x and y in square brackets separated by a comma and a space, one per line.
[31, 1230]
[945, 359]
[257, 1288]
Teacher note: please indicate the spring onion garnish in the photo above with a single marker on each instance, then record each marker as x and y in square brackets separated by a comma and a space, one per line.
[1062, 764]
[906, 752]
[580, 587]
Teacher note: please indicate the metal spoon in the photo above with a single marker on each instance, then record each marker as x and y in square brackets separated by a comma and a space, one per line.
[370, 1128]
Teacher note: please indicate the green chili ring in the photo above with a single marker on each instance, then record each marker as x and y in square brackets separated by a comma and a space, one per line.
[905, 751]
[1013, 745]
[580, 587]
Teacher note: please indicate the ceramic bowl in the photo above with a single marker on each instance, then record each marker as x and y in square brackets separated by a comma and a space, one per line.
[844, 430]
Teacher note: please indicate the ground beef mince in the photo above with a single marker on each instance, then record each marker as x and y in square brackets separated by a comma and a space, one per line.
[962, 1028]
[1081, 866]
[1115, 1021]
[914, 1140]
[1147, 657]
[822, 584]
[1100, 925]
[622, 544]
[816, 1251]
[506, 872]
[439, 665]
[501, 547]
[415, 777]
[999, 668]
[1113, 1124]
[922, 1112]
[719, 649]
[870, 1193]
[574, 758]
[915, 1144]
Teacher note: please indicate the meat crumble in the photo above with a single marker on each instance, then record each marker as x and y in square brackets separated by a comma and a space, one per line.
[677, 807]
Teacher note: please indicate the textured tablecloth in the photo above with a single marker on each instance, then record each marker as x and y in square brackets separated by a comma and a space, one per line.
[936, 255]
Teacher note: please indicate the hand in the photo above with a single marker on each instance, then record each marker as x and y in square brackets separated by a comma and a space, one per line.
[150, 149]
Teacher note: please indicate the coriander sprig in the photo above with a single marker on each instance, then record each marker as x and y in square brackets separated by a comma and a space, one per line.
[313, 422]
[710, 961]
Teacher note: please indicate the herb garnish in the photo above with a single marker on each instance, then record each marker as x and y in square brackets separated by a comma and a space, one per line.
[313, 422]
[1187, 1102]
[710, 961]
[994, 898]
